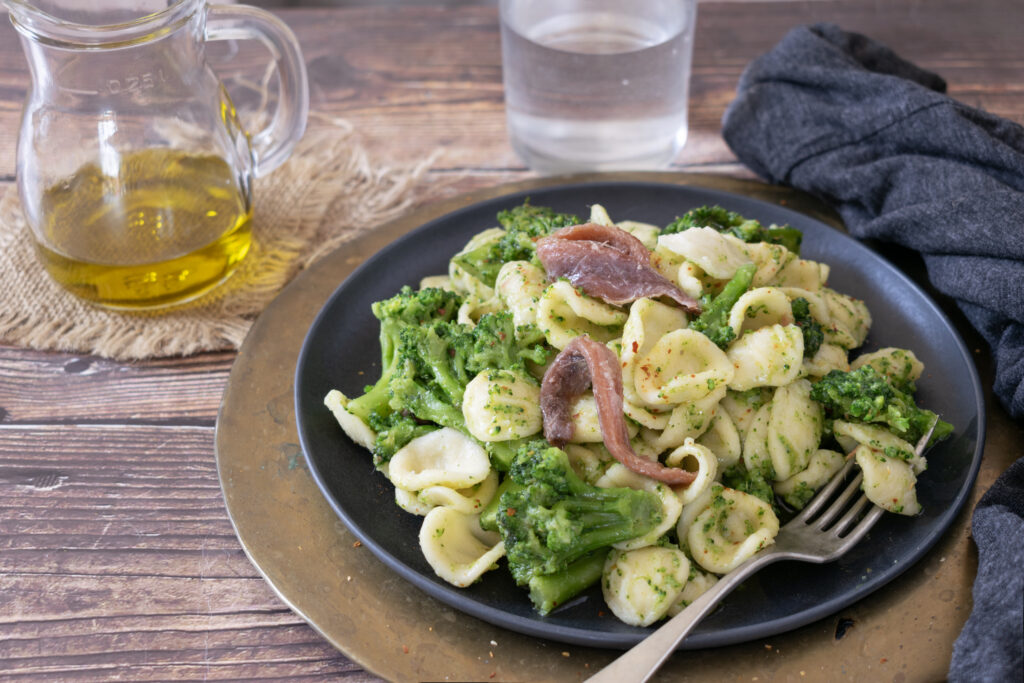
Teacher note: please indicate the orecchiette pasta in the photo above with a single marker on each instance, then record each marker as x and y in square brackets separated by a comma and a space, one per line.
[799, 488]
[445, 457]
[356, 429]
[693, 457]
[501, 405]
[716, 254]
[640, 586]
[456, 548]
[733, 527]
[758, 308]
[766, 357]
[900, 365]
[682, 366]
[520, 285]
[564, 314]
[888, 482]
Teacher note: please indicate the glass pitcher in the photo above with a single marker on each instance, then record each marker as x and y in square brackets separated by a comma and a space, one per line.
[134, 172]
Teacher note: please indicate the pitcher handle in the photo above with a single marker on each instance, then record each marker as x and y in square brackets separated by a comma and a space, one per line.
[272, 145]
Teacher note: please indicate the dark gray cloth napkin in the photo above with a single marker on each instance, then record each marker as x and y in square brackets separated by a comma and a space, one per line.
[844, 118]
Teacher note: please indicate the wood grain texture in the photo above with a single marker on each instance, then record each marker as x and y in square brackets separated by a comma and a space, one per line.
[117, 560]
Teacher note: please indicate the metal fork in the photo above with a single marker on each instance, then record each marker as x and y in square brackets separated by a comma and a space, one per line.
[822, 532]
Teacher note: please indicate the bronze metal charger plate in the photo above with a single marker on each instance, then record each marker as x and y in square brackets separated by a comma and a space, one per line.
[310, 558]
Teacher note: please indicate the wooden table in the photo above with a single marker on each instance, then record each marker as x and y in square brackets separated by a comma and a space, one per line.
[117, 559]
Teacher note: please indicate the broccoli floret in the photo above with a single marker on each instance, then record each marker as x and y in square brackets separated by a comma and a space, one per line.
[732, 223]
[549, 517]
[497, 343]
[523, 225]
[408, 307]
[756, 482]
[714, 321]
[864, 395]
[813, 334]
[393, 432]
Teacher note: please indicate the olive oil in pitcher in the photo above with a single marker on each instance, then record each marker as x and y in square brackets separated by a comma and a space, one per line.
[160, 227]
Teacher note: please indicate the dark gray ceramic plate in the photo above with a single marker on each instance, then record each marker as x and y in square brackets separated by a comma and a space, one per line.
[341, 351]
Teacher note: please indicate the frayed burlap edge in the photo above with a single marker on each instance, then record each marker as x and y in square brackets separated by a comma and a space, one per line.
[326, 194]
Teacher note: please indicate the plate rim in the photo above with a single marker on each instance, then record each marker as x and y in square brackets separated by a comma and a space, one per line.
[451, 596]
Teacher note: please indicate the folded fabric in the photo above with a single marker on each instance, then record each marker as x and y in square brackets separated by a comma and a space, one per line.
[844, 118]
[992, 642]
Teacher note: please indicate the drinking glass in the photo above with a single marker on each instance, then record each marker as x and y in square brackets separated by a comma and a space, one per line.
[134, 172]
[597, 84]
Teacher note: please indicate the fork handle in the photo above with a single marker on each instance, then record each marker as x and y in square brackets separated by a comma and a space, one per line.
[645, 658]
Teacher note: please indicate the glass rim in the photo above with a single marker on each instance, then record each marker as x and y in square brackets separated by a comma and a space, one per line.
[43, 27]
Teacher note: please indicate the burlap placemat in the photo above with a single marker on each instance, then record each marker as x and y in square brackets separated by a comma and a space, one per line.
[325, 194]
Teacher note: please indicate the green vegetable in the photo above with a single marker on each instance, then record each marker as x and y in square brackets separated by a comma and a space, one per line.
[549, 518]
[756, 482]
[523, 225]
[732, 223]
[408, 307]
[864, 395]
[428, 359]
[714, 321]
[813, 334]
[548, 591]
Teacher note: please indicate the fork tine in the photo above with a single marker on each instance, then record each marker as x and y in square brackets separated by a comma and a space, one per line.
[862, 528]
[825, 493]
[851, 515]
[839, 504]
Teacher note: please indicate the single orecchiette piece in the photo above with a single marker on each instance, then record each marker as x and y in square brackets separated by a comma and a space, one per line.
[445, 457]
[770, 259]
[648, 322]
[687, 421]
[437, 282]
[850, 319]
[356, 429]
[888, 482]
[464, 283]
[682, 366]
[502, 405]
[698, 584]
[470, 500]
[520, 284]
[767, 357]
[798, 490]
[645, 232]
[901, 366]
[758, 308]
[564, 314]
[640, 586]
[693, 457]
[742, 405]
[829, 357]
[849, 434]
[733, 527]
[723, 439]
[802, 273]
[456, 548]
[618, 476]
[794, 428]
[713, 252]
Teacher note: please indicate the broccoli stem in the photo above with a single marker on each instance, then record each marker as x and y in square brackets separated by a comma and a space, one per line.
[714, 321]
[548, 591]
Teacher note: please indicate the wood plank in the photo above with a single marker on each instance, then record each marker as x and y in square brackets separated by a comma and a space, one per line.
[45, 387]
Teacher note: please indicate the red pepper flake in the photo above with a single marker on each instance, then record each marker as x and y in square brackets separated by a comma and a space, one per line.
[405, 649]
[493, 674]
[636, 347]
[511, 512]
[883, 660]
[501, 336]
[357, 544]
